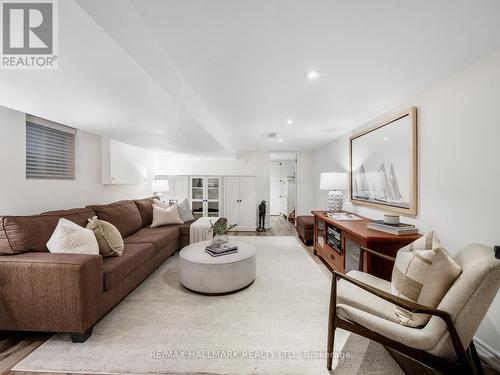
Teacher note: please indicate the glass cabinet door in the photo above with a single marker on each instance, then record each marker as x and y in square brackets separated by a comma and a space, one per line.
[213, 196]
[352, 254]
[321, 233]
[197, 200]
[197, 188]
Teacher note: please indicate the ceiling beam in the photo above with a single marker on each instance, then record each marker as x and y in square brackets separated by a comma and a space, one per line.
[121, 19]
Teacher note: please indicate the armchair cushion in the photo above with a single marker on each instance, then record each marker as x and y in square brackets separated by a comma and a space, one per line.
[423, 273]
[351, 295]
[417, 338]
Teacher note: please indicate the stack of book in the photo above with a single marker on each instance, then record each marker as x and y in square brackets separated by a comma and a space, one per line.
[397, 229]
[221, 249]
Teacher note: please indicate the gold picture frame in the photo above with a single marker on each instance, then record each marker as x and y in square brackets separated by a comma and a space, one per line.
[385, 170]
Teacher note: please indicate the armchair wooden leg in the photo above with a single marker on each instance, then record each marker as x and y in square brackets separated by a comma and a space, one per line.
[331, 323]
[475, 359]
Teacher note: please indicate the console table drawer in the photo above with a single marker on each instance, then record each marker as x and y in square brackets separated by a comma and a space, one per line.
[331, 257]
[334, 257]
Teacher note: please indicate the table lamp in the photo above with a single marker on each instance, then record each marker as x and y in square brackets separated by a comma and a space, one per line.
[334, 182]
[160, 185]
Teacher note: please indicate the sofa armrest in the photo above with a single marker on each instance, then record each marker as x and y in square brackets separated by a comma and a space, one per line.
[50, 292]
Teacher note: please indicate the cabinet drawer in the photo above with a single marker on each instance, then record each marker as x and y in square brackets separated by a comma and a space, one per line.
[333, 258]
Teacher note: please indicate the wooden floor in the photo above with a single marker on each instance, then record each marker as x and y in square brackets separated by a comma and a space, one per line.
[279, 227]
[14, 346]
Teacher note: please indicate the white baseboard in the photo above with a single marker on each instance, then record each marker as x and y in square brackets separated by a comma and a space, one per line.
[488, 354]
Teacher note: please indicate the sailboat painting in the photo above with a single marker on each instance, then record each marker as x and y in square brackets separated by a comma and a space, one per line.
[383, 165]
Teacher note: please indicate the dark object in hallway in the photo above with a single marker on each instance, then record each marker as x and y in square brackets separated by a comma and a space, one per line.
[497, 252]
[262, 217]
[305, 229]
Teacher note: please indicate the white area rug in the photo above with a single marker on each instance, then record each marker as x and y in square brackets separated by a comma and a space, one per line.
[272, 327]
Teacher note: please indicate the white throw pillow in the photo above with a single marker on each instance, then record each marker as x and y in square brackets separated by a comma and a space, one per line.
[185, 212]
[165, 216]
[160, 203]
[71, 238]
[423, 272]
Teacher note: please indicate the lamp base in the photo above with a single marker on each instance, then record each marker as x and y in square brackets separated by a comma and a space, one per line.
[335, 200]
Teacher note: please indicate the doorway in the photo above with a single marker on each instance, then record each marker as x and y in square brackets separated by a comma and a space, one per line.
[283, 185]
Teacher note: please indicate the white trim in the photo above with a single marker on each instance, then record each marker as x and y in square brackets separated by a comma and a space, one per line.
[49, 124]
[487, 353]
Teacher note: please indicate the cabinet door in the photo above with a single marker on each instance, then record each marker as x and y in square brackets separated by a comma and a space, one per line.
[196, 192]
[231, 199]
[213, 196]
[248, 207]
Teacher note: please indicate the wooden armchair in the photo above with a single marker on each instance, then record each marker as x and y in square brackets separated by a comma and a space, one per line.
[363, 304]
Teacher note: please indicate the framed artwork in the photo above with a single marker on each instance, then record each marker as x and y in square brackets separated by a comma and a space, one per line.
[383, 165]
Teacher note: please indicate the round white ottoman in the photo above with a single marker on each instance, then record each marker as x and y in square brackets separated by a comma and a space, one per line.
[200, 272]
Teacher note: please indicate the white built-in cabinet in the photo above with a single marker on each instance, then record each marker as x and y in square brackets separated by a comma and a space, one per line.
[232, 197]
[240, 206]
[205, 196]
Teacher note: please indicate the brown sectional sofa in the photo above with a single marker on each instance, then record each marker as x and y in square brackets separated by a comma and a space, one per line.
[41, 291]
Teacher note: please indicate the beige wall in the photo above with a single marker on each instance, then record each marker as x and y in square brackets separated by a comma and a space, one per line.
[459, 164]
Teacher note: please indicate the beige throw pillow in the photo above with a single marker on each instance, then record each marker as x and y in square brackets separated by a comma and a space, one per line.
[165, 216]
[108, 237]
[423, 272]
[71, 238]
[160, 203]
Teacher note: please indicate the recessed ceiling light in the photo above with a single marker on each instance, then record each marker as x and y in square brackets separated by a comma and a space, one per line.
[280, 140]
[313, 75]
[289, 122]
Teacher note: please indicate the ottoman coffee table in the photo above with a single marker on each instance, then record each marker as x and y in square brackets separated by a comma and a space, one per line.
[202, 273]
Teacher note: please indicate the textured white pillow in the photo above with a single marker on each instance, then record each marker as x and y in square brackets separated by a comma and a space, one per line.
[71, 238]
[423, 272]
[165, 216]
[160, 203]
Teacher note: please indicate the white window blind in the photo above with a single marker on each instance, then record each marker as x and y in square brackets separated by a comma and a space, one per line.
[50, 150]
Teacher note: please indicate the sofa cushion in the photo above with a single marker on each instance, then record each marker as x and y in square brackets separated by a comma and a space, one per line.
[124, 215]
[21, 234]
[116, 269]
[160, 237]
[145, 207]
[184, 228]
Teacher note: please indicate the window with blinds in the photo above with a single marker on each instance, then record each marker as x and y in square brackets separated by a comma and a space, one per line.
[50, 150]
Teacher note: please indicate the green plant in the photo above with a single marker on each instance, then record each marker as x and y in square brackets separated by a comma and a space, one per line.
[220, 227]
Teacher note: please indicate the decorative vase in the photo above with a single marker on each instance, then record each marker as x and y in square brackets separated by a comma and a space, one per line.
[219, 239]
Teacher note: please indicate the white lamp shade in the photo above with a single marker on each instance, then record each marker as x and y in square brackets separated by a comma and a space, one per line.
[160, 186]
[333, 181]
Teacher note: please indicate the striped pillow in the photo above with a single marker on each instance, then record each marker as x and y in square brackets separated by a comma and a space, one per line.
[422, 273]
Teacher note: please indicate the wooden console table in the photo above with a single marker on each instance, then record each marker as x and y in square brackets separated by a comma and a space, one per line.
[354, 234]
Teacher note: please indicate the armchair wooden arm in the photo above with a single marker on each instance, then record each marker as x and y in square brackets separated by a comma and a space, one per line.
[372, 252]
[406, 304]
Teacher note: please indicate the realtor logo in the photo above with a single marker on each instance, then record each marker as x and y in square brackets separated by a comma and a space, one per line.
[29, 34]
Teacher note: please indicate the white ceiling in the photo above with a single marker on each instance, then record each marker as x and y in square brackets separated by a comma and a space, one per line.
[209, 77]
